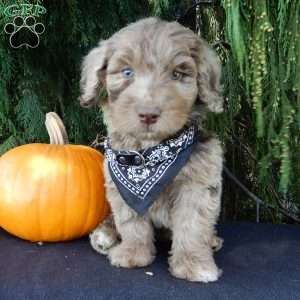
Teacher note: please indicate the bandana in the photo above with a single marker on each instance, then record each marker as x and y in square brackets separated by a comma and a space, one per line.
[141, 176]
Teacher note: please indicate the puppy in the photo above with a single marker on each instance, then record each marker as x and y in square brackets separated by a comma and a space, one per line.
[160, 78]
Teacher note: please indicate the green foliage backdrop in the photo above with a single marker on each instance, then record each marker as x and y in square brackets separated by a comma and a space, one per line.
[35, 81]
[261, 76]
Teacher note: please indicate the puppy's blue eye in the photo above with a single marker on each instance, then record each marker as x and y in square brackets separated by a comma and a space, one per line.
[176, 75]
[128, 72]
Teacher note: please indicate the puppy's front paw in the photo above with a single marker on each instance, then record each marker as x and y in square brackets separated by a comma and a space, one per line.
[130, 256]
[102, 240]
[196, 271]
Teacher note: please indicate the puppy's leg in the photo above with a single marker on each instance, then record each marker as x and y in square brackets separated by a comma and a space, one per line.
[136, 248]
[104, 236]
[193, 218]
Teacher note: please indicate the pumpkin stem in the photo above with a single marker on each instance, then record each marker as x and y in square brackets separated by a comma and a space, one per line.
[56, 129]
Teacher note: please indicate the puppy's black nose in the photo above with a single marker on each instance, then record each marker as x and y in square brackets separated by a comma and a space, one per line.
[148, 119]
[149, 116]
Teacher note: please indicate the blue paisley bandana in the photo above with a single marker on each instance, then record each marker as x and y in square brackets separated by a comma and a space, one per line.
[141, 176]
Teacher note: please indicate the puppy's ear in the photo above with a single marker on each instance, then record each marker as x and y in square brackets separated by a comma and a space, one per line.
[93, 73]
[209, 73]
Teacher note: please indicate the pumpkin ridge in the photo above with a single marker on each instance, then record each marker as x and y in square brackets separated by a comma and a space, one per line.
[85, 223]
[52, 150]
[93, 158]
[67, 158]
[40, 197]
[37, 212]
[102, 203]
[13, 189]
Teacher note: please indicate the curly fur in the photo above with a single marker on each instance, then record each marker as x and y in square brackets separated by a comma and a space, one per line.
[190, 206]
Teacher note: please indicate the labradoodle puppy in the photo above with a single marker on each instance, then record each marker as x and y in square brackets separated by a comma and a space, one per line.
[160, 168]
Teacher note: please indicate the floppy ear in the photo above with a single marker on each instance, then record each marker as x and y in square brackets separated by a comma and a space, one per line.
[93, 73]
[209, 73]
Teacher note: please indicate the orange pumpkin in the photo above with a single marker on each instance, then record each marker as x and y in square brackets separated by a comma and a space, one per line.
[52, 192]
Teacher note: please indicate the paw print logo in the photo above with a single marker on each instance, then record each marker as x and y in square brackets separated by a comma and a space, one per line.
[24, 32]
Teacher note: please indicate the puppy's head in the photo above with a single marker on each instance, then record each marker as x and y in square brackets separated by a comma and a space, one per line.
[153, 72]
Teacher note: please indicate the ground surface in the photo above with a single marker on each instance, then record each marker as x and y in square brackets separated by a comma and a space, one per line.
[259, 261]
